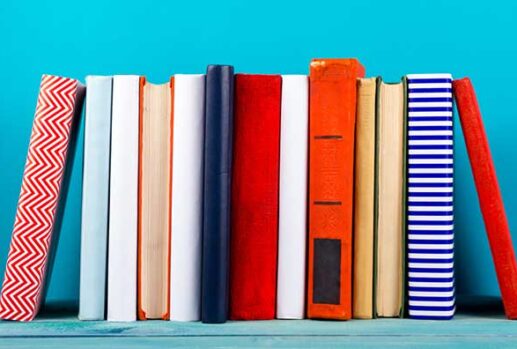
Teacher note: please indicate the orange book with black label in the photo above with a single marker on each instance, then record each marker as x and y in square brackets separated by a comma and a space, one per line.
[154, 199]
[331, 185]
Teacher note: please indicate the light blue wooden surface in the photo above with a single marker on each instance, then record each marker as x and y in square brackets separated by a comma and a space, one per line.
[479, 324]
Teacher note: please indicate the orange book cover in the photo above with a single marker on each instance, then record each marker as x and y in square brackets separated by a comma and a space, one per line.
[142, 312]
[331, 172]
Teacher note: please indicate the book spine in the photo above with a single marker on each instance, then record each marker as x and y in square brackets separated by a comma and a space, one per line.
[331, 168]
[292, 214]
[187, 197]
[364, 210]
[430, 222]
[59, 99]
[489, 193]
[217, 193]
[254, 230]
[123, 205]
[94, 219]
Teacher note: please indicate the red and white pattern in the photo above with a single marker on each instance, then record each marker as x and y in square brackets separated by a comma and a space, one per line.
[37, 206]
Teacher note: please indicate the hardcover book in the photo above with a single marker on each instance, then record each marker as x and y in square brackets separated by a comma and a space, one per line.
[123, 205]
[430, 220]
[364, 199]
[389, 200]
[94, 219]
[490, 198]
[59, 100]
[254, 230]
[217, 193]
[154, 199]
[332, 114]
[292, 212]
[187, 197]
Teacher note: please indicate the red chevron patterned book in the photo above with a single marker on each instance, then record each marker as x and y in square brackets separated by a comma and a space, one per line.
[489, 194]
[254, 228]
[59, 98]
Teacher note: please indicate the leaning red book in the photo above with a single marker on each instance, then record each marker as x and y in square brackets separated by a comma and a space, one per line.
[489, 194]
[59, 98]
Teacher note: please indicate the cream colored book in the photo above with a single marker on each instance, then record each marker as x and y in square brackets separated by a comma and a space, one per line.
[389, 285]
[154, 223]
[364, 193]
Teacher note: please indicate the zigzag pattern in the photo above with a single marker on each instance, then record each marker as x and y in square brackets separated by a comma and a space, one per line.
[37, 205]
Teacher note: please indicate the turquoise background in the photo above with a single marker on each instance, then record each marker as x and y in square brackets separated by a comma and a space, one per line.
[157, 39]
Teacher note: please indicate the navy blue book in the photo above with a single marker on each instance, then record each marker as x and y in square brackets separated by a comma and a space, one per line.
[217, 195]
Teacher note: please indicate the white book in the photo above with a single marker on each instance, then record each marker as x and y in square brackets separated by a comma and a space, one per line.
[122, 253]
[94, 220]
[187, 197]
[292, 227]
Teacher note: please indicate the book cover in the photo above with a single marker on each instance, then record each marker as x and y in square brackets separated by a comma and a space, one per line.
[430, 222]
[332, 102]
[292, 212]
[489, 193]
[123, 203]
[364, 199]
[187, 197]
[332, 111]
[59, 100]
[217, 193]
[95, 201]
[254, 229]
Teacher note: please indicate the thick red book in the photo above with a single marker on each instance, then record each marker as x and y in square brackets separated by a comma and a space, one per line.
[489, 194]
[254, 215]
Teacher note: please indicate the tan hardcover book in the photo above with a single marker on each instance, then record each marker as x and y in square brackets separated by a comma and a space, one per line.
[390, 194]
[155, 182]
[364, 193]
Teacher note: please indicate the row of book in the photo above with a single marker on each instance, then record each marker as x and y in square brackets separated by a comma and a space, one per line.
[252, 197]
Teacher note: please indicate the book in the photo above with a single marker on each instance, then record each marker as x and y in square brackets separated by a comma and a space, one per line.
[489, 193]
[187, 197]
[217, 193]
[154, 199]
[292, 201]
[332, 102]
[389, 200]
[430, 222]
[254, 221]
[364, 199]
[123, 204]
[95, 201]
[59, 100]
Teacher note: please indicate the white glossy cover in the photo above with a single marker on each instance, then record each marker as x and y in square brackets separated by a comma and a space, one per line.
[122, 254]
[187, 197]
[94, 220]
[292, 229]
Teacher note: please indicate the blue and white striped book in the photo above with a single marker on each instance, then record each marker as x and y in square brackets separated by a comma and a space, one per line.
[430, 220]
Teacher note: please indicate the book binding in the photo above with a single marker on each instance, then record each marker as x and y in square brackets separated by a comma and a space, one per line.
[489, 193]
[430, 222]
[59, 99]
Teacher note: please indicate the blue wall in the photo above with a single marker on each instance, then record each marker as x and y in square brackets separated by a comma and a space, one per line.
[157, 39]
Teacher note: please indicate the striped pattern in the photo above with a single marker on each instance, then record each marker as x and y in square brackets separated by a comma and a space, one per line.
[30, 244]
[430, 197]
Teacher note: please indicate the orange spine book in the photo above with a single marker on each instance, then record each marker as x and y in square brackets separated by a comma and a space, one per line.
[331, 173]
